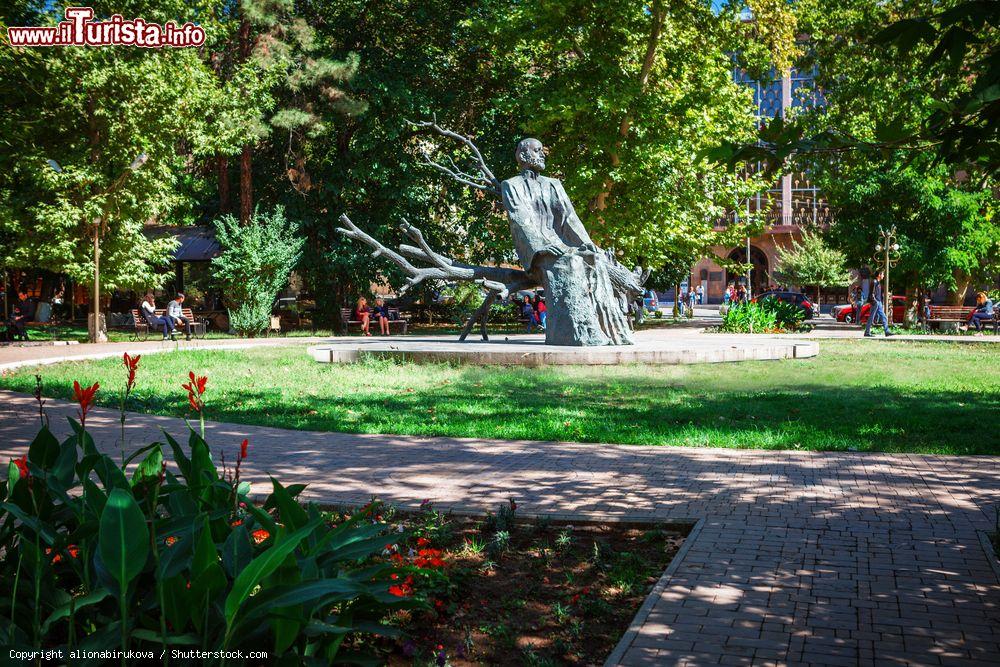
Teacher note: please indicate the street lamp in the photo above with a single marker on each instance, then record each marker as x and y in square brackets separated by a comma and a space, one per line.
[887, 253]
[95, 333]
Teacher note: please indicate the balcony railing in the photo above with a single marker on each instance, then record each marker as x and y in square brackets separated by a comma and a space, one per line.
[778, 219]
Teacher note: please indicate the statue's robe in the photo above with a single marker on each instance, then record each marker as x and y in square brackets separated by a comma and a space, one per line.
[583, 308]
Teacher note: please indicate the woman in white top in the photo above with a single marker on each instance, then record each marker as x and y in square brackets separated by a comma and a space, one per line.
[149, 312]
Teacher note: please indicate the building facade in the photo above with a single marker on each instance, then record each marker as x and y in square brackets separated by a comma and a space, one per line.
[791, 204]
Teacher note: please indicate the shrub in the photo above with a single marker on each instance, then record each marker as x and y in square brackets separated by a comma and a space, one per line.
[747, 317]
[254, 266]
[768, 315]
[96, 559]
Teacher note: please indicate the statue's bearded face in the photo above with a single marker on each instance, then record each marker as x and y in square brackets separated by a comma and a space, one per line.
[531, 155]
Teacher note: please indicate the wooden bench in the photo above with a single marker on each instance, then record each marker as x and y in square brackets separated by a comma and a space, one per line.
[960, 315]
[395, 319]
[140, 330]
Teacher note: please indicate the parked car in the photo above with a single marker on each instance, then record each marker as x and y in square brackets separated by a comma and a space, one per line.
[650, 301]
[847, 314]
[796, 298]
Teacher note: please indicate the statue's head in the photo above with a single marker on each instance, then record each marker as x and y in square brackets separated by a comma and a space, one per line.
[530, 154]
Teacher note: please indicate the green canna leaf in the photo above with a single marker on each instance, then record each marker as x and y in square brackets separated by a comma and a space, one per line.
[123, 539]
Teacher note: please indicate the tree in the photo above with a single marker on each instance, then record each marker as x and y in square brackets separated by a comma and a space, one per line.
[91, 111]
[812, 262]
[254, 266]
[946, 228]
[945, 57]
[272, 75]
[626, 95]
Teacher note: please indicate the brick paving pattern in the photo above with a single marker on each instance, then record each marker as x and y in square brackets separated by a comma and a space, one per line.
[802, 558]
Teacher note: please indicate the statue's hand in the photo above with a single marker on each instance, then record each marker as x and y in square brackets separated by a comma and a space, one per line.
[554, 249]
[592, 247]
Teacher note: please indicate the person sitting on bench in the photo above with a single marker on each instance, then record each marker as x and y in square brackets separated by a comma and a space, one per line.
[983, 311]
[176, 314]
[149, 312]
[363, 313]
[16, 323]
[381, 313]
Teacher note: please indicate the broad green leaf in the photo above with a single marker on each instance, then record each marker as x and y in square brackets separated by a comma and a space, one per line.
[260, 567]
[44, 449]
[150, 467]
[290, 510]
[123, 538]
[237, 551]
[78, 603]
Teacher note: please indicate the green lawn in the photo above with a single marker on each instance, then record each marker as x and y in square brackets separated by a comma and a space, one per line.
[868, 395]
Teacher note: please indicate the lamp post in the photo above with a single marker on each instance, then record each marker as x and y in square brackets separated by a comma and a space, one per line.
[95, 333]
[887, 252]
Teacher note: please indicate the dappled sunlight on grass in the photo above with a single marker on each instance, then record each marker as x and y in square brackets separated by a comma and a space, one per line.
[854, 395]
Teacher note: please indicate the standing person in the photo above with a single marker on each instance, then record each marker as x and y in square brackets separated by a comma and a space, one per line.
[528, 313]
[175, 312]
[741, 293]
[363, 313]
[701, 294]
[864, 288]
[149, 312]
[692, 298]
[982, 313]
[876, 310]
[381, 313]
[859, 301]
[540, 311]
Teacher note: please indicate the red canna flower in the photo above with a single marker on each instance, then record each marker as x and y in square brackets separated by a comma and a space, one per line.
[22, 466]
[429, 558]
[131, 364]
[170, 541]
[260, 535]
[402, 590]
[195, 389]
[243, 448]
[84, 398]
[422, 541]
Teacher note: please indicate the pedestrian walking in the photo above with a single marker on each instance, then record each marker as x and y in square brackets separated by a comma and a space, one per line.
[876, 310]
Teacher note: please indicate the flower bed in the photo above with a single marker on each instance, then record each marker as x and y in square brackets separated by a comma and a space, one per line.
[507, 590]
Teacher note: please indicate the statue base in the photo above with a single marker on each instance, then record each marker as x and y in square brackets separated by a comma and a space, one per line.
[650, 348]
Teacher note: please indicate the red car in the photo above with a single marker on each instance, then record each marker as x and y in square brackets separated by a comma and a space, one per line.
[846, 313]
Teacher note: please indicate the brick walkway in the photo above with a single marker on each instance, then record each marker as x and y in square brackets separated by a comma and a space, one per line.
[801, 557]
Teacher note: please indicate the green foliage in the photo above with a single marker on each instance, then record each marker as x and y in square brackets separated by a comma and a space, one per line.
[812, 262]
[93, 111]
[254, 266]
[625, 95]
[768, 315]
[93, 560]
[749, 317]
[895, 75]
[946, 229]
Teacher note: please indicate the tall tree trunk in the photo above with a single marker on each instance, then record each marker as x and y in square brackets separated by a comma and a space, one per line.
[246, 163]
[246, 185]
[957, 296]
[600, 202]
[222, 171]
